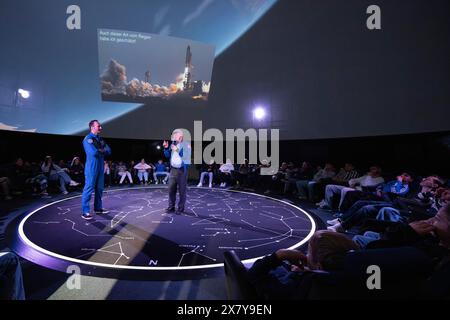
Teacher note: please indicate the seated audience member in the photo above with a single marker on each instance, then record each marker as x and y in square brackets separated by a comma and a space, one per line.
[357, 214]
[439, 181]
[253, 176]
[21, 171]
[225, 171]
[132, 170]
[11, 282]
[411, 212]
[306, 188]
[276, 184]
[77, 170]
[383, 192]
[207, 170]
[275, 279]
[423, 203]
[342, 178]
[264, 176]
[441, 198]
[431, 236]
[123, 172]
[364, 209]
[113, 168]
[396, 188]
[429, 186]
[38, 181]
[63, 165]
[345, 174]
[370, 180]
[107, 173]
[160, 171]
[5, 187]
[142, 171]
[294, 174]
[55, 173]
[241, 175]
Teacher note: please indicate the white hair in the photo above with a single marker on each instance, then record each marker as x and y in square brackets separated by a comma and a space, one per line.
[177, 131]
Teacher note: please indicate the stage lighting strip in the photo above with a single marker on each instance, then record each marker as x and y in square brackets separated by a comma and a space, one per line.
[29, 243]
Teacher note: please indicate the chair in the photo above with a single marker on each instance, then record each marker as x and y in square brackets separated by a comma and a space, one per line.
[438, 285]
[237, 283]
[160, 179]
[193, 173]
[11, 281]
[403, 272]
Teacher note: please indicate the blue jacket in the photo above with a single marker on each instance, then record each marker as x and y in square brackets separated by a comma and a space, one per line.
[396, 187]
[184, 150]
[96, 149]
[274, 281]
[160, 167]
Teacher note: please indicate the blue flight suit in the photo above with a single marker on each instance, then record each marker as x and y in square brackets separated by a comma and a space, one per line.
[178, 176]
[96, 149]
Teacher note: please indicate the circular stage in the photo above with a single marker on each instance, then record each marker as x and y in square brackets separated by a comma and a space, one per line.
[137, 234]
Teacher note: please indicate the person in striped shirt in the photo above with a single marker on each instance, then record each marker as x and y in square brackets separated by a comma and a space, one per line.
[342, 178]
[369, 181]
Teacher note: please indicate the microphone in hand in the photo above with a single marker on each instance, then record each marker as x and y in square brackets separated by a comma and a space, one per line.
[174, 146]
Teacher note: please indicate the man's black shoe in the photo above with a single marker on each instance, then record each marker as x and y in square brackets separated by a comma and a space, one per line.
[87, 216]
[180, 211]
[102, 211]
[170, 210]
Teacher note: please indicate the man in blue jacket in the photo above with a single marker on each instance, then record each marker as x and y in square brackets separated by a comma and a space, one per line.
[96, 149]
[180, 160]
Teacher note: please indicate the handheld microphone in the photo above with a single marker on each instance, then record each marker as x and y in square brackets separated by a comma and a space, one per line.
[174, 142]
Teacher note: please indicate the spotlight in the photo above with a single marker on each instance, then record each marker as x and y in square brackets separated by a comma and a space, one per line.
[25, 94]
[259, 113]
[158, 147]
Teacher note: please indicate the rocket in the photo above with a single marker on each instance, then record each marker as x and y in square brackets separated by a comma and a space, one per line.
[187, 70]
[188, 57]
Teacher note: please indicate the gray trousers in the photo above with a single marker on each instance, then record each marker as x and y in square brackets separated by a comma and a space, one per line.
[177, 180]
[204, 174]
[63, 179]
[332, 189]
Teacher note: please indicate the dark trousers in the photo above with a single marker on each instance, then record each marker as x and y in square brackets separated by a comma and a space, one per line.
[360, 211]
[225, 177]
[177, 179]
[241, 178]
[352, 197]
[108, 180]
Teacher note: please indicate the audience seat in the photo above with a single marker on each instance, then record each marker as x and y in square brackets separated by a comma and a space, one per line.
[238, 286]
[11, 282]
[438, 285]
[160, 179]
[193, 174]
[403, 270]
[404, 274]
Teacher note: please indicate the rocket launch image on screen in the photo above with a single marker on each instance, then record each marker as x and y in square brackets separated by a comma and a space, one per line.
[145, 68]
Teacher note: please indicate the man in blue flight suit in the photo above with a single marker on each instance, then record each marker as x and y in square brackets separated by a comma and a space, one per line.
[96, 149]
[180, 160]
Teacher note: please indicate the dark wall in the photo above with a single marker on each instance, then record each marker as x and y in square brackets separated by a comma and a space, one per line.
[313, 64]
[421, 153]
[322, 74]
